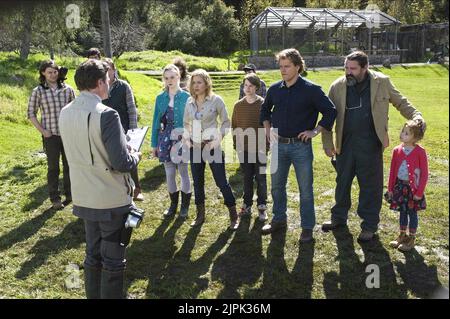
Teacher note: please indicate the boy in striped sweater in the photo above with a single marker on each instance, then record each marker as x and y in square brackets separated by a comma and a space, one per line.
[246, 126]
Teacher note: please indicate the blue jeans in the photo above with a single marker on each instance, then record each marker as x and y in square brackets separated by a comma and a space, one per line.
[219, 175]
[411, 216]
[301, 156]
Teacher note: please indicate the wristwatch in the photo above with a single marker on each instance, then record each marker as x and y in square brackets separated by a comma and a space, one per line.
[316, 131]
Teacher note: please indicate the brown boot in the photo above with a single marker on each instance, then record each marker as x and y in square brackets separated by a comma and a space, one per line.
[408, 244]
[200, 216]
[234, 218]
[400, 240]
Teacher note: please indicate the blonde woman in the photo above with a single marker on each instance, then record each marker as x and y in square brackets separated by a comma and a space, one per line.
[201, 115]
[168, 116]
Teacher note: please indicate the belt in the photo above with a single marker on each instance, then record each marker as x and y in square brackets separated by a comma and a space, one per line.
[201, 144]
[289, 140]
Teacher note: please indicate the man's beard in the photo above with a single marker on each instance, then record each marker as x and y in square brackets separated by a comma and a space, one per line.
[351, 80]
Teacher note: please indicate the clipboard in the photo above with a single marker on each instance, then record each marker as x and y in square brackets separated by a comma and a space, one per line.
[136, 137]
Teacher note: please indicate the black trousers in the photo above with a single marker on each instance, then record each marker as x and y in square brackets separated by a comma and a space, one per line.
[54, 149]
[135, 177]
[253, 170]
[365, 161]
[102, 243]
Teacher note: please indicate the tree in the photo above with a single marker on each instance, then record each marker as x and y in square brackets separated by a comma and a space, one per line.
[106, 28]
[27, 12]
[126, 36]
[221, 33]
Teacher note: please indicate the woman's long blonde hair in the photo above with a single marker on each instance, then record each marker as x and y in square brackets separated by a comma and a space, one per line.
[205, 77]
[172, 68]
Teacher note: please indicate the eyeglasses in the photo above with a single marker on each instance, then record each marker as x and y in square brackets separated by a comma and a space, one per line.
[355, 107]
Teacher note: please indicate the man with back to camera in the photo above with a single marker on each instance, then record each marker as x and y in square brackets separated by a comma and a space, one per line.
[102, 188]
[121, 99]
[362, 100]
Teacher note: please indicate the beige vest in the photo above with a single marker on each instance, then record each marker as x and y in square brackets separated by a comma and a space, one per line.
[93, 181]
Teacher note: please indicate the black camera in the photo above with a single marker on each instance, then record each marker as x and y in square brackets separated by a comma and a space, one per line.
[134, 220]
[62, 73]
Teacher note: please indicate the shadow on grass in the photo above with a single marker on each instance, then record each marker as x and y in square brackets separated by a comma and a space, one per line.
[171, 275]
[242, 262]
[418, 277]
[278, 282]
[276, 275]
[40, 195]
[148, 258]
[25, 230]
[153, 178]
[72, 236]
[350, 282]
[19, 175]
[37, 198]
[236, 181]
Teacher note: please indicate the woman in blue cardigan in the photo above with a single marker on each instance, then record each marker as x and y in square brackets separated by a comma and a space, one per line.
[167, 130]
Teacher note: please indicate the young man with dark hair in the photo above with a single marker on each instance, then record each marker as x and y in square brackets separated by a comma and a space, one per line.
[102, 187]
[93, 53]
[121, 99]
[246, 126]
[362, 100]
[49, 98]
[251, 69]
[292, 106]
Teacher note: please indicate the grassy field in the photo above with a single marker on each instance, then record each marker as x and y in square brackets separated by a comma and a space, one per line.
[169, 259]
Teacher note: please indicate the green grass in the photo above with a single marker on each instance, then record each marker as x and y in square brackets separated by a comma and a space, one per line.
[156, 60]
[169, 259]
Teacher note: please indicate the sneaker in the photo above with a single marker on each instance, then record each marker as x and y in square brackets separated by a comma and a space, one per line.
[57, 204]
[400, 240]
[366, 236]
[67, 201]
[262, 213]
[408, 244]
[138, 195]
[246, 211]
[273, 227]
[331, 225]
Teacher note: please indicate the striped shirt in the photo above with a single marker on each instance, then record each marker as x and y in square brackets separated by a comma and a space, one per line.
[246, 115]
[50, 102]
[129, 100]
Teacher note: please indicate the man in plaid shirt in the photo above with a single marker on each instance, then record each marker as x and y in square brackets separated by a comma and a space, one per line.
[50, 97]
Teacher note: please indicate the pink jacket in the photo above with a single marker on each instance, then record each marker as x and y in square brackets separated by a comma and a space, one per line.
[417, 159]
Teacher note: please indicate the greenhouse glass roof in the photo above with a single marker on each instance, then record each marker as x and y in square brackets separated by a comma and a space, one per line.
[320, 18]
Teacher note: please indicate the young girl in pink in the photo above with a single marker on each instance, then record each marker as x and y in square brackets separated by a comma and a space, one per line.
[407, 180]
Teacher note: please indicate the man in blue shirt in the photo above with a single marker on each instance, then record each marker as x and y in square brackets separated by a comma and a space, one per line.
[289, 115]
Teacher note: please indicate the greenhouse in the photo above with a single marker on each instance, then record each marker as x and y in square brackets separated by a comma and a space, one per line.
[322, 31]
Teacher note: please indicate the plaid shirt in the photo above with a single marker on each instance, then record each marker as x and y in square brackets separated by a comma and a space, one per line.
[50, 102]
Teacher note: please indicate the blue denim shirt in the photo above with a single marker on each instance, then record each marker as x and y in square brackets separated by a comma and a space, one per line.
[295, 109]
[161, 105]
